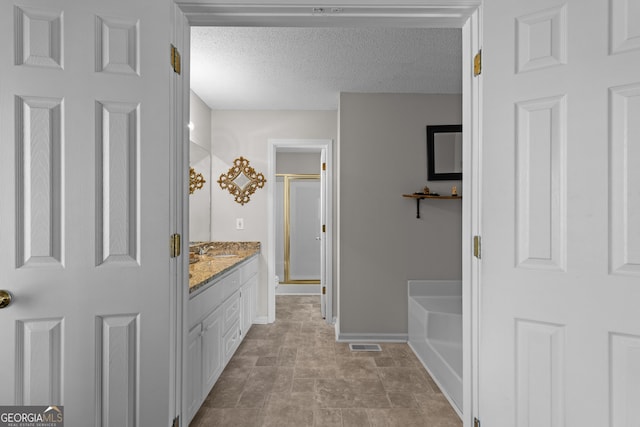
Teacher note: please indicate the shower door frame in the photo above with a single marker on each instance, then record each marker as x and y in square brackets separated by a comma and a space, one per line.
[288, 177]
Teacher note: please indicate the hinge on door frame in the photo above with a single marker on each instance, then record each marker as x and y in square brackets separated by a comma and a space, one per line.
[324, 290]
[324, 228]
[476, 422]
[175, 60]
[175, 245]
[324, 166]
[176, 422]
[477, 64]
[477, 249]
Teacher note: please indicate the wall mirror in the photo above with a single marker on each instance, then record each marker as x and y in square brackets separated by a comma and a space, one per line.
[444, 152]
[200, 201]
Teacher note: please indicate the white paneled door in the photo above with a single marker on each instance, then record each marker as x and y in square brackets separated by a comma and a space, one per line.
[560, 291]
[84, 211]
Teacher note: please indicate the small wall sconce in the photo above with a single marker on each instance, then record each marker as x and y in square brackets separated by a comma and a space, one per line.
[241, 180]
[196, 180]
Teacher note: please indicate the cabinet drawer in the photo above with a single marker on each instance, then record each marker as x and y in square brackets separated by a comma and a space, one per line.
[231, 341]
[249, 270]
[230, 284]
[202, 304]
[231, 311]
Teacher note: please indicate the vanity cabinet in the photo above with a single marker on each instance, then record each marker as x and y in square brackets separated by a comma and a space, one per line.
[248, 297]
[194, 375]
[219, 317]
[211, 356]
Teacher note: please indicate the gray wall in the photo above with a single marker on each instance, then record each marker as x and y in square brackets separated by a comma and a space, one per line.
[382, 155]
[298, 163]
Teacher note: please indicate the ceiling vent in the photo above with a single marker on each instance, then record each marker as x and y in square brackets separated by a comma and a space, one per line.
[365, 347]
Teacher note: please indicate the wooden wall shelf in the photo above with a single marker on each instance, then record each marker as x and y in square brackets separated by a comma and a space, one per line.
[420, 196]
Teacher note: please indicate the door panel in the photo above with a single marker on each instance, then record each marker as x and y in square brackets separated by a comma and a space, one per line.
[39, 361]
[559, 325]
[84, 155]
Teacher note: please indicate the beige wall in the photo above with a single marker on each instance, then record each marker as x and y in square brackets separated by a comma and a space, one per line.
[382, 155]
[245, 133]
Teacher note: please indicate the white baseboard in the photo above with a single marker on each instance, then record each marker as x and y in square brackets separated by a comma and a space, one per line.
[261, 320]
[294, 289]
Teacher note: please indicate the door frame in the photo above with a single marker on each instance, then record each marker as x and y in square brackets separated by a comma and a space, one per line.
[303, 146]
[464, 14]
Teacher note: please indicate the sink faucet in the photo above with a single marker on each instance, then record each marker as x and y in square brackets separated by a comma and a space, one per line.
[203, 250]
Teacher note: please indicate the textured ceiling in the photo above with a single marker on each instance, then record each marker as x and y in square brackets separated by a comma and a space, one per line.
[306, 68]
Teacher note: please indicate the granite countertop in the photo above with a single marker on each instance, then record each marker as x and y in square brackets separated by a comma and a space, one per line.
[220, 258]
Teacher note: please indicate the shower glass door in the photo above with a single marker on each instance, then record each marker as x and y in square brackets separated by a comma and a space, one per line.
[301, 227]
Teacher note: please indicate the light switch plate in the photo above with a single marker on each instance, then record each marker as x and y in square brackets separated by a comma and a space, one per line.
[239, 223]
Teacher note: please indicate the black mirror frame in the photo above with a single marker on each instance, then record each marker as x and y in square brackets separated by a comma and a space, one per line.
[431, 170]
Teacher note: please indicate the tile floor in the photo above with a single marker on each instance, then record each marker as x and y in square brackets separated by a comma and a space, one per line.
[293, 373]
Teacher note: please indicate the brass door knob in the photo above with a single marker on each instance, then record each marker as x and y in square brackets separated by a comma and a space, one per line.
[5, 298]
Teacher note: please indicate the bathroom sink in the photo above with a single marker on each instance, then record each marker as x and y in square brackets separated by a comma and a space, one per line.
[224, 255]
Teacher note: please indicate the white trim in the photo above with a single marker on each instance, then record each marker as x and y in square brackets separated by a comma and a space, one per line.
[452, 14]
[261, 320]
[309, 145]
[471, 220]
[179, 215]
[294, 289]
[373, 338]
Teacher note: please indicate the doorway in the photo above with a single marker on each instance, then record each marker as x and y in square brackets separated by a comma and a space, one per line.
[460, 15]
[320, 239]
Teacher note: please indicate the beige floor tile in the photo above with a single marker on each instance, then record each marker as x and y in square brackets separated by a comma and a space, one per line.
[412, 380]
[327, 418]
[352, 400]
[288, 417]
[319, 372]
[435, 405]
[287, 356]
[384, 362]
[303, 385]
[303, 401]
[355, 418]
[400, 399]
[252, 399]
[397, 418]
[222, 399]
[352, 367]
[267, 361]
[242, 417]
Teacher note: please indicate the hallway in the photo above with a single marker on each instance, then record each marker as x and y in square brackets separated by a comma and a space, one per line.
[293, 373]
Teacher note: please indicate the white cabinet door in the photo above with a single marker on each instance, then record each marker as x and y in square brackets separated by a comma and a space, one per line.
[211, 350]
[194, 373]
[248, 300]
[560, 287]
[84, 159]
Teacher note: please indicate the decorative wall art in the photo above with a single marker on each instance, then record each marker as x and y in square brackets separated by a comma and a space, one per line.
[196, 180]
[241, 180]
